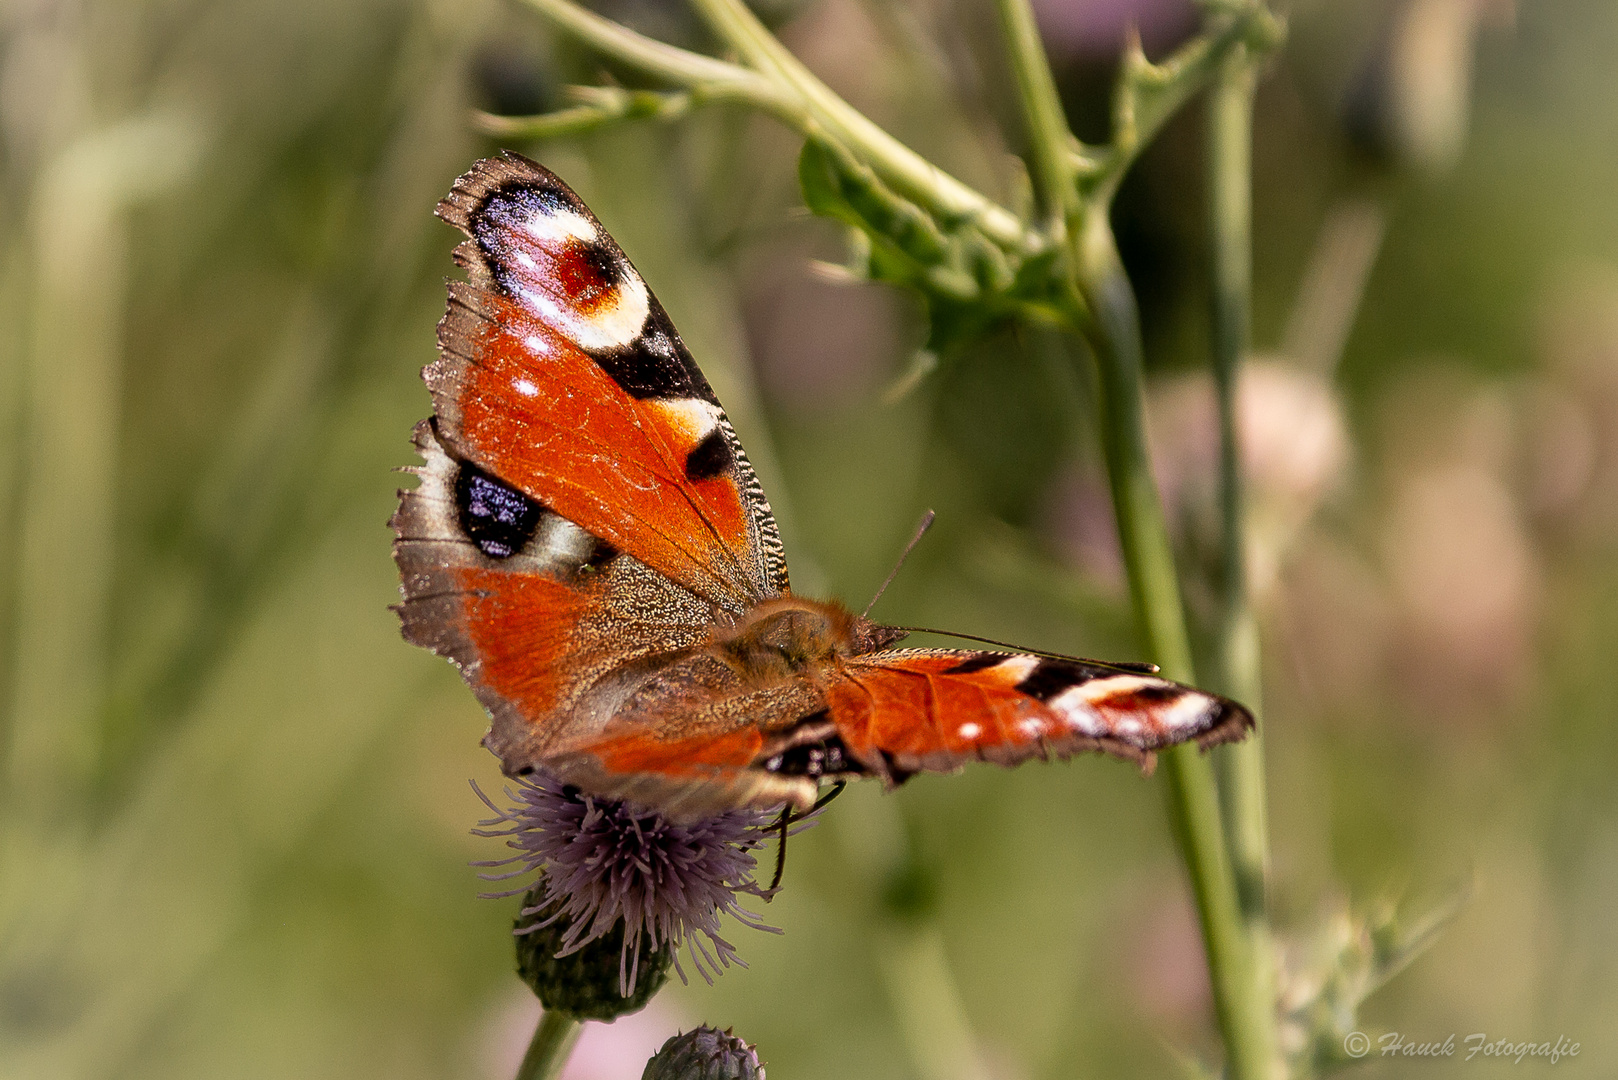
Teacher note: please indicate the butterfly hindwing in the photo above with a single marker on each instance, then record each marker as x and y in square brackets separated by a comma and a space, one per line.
[910, 710]
[539, 615]
[702, 747]
[561, 374]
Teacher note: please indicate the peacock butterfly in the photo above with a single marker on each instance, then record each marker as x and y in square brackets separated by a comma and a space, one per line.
[590, 547]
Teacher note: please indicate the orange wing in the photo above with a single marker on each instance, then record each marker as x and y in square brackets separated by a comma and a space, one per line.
[893, 714]
[534, 611]
[561, 375]
[591, 664]
[909, 710]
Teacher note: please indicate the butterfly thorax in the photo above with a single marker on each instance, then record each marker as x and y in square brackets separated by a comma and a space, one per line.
[786, 637]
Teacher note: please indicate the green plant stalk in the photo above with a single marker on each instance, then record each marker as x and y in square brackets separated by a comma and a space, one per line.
[651, 56]
[786, 89]
[1099, 285]
[1229, 119]
[553, 1041]
[599, 107]
[1149, 94]
[906, 171]
[1240, 1004]
[1048, 134]
[1240, 767]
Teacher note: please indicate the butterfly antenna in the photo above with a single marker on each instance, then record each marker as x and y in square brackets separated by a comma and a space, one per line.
[786, 821]
[1121, 665]
[921, 530]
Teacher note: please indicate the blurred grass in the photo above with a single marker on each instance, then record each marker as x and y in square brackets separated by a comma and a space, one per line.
[235, 803]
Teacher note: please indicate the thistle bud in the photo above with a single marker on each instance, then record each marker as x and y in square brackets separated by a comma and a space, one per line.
[587, 982]
[704, 1053]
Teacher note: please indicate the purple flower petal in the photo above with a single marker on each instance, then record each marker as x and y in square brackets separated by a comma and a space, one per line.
[602, 860]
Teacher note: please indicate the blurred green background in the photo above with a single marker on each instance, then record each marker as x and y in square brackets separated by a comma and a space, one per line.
[235, 803]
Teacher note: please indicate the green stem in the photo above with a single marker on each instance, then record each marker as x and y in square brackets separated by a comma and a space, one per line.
[651, 56]
[1050, 142]
[1149, 94]
[906, 171]
[1114, 336]
[1230, 112]
[552, 1043]
[785, 88]
[1241, 767]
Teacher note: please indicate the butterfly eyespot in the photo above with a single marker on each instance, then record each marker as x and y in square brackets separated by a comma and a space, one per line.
[587, 273]
[495, 516]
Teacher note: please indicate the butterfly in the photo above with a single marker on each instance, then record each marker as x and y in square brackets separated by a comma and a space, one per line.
[590, 547]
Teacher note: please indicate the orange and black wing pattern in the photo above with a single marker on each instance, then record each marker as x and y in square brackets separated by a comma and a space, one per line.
[561, 375]
[911, 710]
[584, 508]
[536, 612]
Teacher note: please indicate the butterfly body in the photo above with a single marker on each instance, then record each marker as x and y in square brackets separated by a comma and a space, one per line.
[590, 546]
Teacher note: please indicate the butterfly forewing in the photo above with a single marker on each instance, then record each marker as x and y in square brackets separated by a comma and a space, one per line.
[933, 709]
[561, 374]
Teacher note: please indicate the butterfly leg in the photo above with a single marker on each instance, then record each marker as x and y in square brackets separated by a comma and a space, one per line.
[784, 824]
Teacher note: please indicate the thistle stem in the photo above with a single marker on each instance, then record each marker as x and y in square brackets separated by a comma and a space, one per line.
[906, 171]
[1050, 143]
[783, 87]
[1240, 1002]
[1098, 285]
[1240, 767]
[1230, 109]
[553, 1041]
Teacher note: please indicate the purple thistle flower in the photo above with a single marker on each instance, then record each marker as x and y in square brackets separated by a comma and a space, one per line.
[604, 860]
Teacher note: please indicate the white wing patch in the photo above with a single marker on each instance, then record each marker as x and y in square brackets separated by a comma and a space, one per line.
[556, 225]
[1014, 669]
[614, 322]
[1088, 708]
[694, 418]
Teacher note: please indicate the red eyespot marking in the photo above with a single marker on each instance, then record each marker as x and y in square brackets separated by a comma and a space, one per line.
[586, 274]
